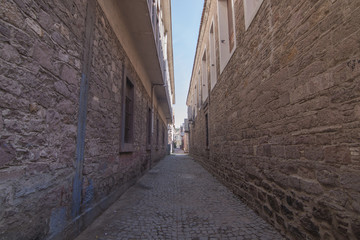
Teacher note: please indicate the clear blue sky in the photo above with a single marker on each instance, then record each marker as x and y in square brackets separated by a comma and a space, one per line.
[186, 16]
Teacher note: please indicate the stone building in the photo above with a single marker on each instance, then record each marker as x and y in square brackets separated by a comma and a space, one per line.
[86, 93]
[186, 135]
[274, 106]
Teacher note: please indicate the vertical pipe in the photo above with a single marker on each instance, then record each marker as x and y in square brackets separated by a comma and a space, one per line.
[84, 86]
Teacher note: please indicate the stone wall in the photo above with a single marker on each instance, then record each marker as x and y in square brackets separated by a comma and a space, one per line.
[284, 119]
[41, 54]
[41, 48]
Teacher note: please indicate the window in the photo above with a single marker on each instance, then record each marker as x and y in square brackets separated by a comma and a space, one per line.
[226, 31]
[195, 101]
[251, 7]
[163, 136]
[207, 129]
[190, 115]
[129, 111]
[199, 90]
[204, 77]
[127, 136]
[195, 104]
[149, 127]
[157, 132]
[230, 24]
[213, 76]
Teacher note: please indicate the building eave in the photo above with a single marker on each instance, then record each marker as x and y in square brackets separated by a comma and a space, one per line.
[132, 24]
[197, 49]
[168, 26]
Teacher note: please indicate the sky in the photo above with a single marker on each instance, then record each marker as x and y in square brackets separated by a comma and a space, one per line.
[186, 16]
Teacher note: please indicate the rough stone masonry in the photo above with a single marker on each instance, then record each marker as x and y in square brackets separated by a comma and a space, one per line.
[41, 67]
[284, 115]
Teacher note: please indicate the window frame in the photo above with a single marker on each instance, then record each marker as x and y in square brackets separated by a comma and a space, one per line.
[148, 128]
[224, 50]
[163, 136]
[199, 93]
[212, 56]
[157, 132]
[207, 130]
[204, 77]
[194, 96]
[127, 145]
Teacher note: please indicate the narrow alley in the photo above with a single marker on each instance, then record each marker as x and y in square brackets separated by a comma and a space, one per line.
[97, 97]
[178, 199]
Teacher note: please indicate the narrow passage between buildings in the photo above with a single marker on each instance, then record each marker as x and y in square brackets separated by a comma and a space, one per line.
[178, 199]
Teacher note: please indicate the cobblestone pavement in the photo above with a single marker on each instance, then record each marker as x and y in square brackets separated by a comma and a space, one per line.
[178, 199]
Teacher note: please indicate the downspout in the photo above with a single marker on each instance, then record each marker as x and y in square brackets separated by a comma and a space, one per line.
[84, 87]
[153, 117]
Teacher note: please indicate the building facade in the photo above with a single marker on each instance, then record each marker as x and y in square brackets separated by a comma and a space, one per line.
[274, 110]
[186, 135]
[86, 93]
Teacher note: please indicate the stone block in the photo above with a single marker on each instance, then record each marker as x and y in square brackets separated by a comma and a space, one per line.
[357, 111]
[278, 151]
[286, 212]
[273, 203]
[7, 154]
[294, 182]
[70, 75]
[261, 196]
[279, 194]
[1, 122]
[268, 211]
[311, 187]
[350, 180]
[12, 14]
[296, 233]
[280, 179]
[337, 154]
[314, 153]
[327, 178]
[4, 31]
[280, 221]
[10, 54]
[292, 152]
[355, 227]
[11, 173]
[295, 203]
[34, 26]
[322, 213]
[310, 226]
[61, 88]
[43, 55]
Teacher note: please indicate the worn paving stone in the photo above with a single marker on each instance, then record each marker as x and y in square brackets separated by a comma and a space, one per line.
[178, 199]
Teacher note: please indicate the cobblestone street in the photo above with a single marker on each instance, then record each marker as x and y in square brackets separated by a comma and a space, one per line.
[178, 199]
